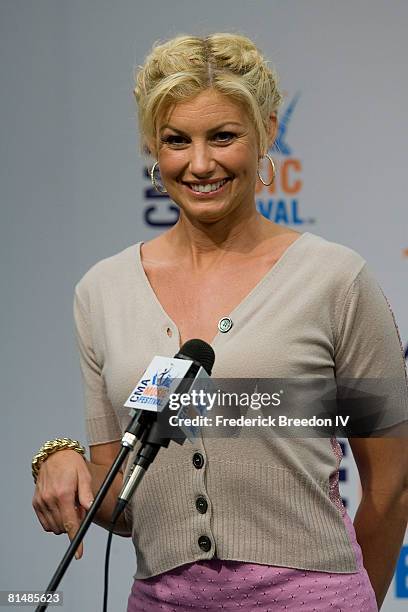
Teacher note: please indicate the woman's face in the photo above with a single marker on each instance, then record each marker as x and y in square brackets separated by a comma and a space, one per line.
[208, 156]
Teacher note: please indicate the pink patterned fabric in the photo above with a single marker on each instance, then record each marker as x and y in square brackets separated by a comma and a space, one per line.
[232, 585]
[334, 490]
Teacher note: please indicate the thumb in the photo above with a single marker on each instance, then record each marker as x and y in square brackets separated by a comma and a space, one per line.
[85, 499]
[85, 495]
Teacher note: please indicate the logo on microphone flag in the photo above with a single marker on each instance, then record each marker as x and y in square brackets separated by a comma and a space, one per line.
[157, 383]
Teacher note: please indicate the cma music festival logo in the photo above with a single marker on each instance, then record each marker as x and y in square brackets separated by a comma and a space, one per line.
[281, 201]
[155, 390]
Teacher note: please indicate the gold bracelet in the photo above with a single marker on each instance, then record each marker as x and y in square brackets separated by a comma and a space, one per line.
[50, 447]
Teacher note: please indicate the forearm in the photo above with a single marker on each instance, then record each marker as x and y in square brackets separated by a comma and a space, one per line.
[380, 524]
[103, 516]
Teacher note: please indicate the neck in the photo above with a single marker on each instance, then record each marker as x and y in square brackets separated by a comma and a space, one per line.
[205, 244]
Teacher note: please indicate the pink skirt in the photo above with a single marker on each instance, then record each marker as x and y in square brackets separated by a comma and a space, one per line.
[233, 585]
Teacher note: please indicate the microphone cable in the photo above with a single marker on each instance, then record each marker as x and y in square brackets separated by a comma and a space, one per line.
[106, 572]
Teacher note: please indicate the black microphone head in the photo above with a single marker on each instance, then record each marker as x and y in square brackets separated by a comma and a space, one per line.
[200, 351]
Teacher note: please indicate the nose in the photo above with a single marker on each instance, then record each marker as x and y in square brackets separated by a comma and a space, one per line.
[202, 163]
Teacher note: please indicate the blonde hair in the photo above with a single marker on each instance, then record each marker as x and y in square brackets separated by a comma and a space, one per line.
[184, 66]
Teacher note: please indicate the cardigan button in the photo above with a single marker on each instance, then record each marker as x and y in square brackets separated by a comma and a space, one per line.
[198, 460]
[204, 543]
[225, 324]
[201, 505]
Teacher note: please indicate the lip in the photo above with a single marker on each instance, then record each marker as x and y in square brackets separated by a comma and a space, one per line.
[209, 194]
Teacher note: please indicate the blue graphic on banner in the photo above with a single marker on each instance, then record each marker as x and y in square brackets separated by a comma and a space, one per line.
[280, 144]
[281, 211]
[401, 574]
[280, 201]
[164, 214]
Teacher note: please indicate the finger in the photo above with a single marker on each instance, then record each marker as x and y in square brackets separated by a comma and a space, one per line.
[48, 517]
[53, 520]
[85, 495]
[44, 523]
[71, 521]
[48, 503]
[81, 515]
[71, 529]
[51, 509]
[38, 511]
[54, 508]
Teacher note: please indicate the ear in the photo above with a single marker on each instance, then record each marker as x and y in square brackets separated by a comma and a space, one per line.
[150, 147]
[273, 129]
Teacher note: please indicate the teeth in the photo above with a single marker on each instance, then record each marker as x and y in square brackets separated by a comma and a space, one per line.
[208, 188]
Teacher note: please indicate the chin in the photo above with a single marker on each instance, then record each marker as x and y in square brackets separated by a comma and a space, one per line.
[207, 212]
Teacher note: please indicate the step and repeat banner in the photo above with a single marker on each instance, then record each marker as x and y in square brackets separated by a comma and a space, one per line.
[77, 189]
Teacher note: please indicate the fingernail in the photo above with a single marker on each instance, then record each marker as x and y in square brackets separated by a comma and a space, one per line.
[77, 555]
[90, 503]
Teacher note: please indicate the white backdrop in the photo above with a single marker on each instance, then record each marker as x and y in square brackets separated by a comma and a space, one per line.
[74, 190]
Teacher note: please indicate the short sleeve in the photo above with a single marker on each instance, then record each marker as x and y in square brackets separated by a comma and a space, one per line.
[102, 424]
[369, 356]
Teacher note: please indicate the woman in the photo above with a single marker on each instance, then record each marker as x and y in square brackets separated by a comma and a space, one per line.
[232, 523]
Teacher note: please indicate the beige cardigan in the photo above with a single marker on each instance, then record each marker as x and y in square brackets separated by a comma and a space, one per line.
[317, 313]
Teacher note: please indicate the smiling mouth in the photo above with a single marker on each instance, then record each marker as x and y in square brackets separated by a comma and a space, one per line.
[206, 187]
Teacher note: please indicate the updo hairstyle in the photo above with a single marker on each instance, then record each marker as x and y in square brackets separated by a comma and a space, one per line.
[182, 67]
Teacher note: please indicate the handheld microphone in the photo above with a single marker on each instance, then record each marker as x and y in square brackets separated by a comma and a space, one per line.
[200, 358]
[163, 377]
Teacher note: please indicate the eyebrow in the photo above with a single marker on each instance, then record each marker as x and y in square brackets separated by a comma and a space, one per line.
[211, 131]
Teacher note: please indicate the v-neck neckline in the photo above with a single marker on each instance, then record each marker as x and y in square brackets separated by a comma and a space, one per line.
[233, 314]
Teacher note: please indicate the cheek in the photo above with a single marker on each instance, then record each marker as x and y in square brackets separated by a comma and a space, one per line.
[243, 160]
[245, 167]
[171, 163]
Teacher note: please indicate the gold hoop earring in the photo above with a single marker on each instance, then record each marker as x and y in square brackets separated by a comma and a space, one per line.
[273, 171]
[153, 172]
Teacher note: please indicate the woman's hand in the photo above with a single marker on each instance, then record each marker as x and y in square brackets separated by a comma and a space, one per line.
[63, 493]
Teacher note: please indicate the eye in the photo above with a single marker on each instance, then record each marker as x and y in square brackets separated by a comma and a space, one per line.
[223, 137]
[174, 140]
